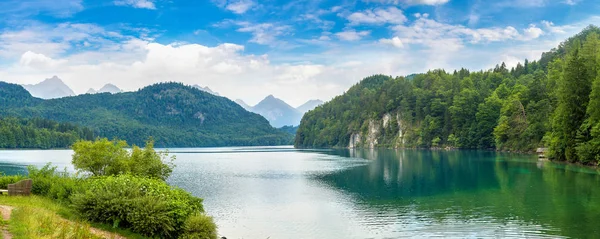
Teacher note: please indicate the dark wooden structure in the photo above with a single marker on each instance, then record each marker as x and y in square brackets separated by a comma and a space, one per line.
[21, 188]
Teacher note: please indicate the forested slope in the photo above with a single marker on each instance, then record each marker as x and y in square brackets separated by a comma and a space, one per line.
[40, 133]
[173, 114]
[552, 102]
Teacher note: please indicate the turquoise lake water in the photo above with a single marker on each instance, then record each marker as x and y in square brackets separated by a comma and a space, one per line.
[280, 192]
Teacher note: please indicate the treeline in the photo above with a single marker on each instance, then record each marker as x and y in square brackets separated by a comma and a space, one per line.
[553, 102]
[175, 115]
[40, 133]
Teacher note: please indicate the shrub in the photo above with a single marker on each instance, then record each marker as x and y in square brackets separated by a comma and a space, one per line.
[199, 226]
[147, 206]
[6, 180]
[50, 183]
[104, 158]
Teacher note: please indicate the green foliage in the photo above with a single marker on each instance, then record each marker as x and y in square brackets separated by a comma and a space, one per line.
[48, 182]
[144, 205]
[39, 133]
[103, 157]
[174, 114]
[6, 180]
[554, 102]
[199, 226]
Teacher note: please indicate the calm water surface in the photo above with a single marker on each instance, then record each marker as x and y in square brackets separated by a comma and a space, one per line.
[279, 192]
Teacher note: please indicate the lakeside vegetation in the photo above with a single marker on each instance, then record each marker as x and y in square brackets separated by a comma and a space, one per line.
[121, 189]
[553, 102]
[174, 114]
[17, 133]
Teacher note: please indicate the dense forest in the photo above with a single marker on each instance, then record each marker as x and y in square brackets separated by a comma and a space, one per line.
[40, 133]
[553, 102]
[175, 115]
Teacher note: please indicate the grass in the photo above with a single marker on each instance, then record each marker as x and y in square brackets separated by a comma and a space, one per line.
[31, 222]
[37, 217]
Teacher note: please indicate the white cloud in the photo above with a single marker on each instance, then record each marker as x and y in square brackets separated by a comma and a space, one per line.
[240, 6]
[352, 35]
[236, 6]
[147, 4]
[532, 32]
[549, 26]
[263, 33]
[395, 42]
[39, 61]
[55, 40]
[378, 16]
[447, 37]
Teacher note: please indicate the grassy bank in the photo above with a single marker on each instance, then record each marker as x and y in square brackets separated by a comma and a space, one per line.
[38, 217]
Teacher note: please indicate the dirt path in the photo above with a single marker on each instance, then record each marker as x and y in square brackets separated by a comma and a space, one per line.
[5, 211]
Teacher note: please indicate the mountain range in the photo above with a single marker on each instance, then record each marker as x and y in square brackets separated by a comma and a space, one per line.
[275, 110]
[278, 112]
[50, 88]
[206, 89]
[108, 88]
[175, 115]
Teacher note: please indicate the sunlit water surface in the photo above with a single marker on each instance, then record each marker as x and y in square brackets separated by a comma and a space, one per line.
[280, 192]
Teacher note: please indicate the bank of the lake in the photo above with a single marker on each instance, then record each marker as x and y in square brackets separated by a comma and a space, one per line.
[280, 192]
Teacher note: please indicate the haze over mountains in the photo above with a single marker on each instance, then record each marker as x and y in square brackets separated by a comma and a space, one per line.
[50, 88]
[278, 112]
[206, 89]
[108, 88]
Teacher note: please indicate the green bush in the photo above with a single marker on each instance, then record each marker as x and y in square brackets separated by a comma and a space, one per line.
[6, 180]
[48, 182]
[199, 226]
[147, 206]
[104, 158]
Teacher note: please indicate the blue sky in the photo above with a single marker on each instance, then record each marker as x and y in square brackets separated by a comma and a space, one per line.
[295, 50]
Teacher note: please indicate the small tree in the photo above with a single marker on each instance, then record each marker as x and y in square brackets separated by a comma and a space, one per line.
[147, 162]
[103, 157]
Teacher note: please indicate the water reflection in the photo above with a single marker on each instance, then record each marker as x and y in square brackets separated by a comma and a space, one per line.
[481, 192]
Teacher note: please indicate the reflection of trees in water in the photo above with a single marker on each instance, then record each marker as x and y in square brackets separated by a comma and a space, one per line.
[395, 174]
[467, 185]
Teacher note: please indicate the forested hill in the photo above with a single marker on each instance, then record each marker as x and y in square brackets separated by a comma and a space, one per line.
[38, 133]
[173, 114]
[552, 102]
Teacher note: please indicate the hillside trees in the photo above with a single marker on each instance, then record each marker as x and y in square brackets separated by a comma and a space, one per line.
[553, 102]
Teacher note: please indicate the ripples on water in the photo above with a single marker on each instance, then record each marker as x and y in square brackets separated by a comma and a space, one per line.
[281, 192]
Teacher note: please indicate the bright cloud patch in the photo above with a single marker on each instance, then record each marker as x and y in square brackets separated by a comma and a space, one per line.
[395, 42]
[434, 34]
[148, 4]
[378, 16]
[352, 35]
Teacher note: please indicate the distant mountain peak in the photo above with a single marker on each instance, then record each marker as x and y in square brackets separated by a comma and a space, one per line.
[109, 88]
[278, 112]
[206, 89]
[309, 105]
[243, 104]
[50, 88]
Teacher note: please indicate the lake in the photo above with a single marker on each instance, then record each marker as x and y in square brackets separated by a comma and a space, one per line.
[281, 192]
